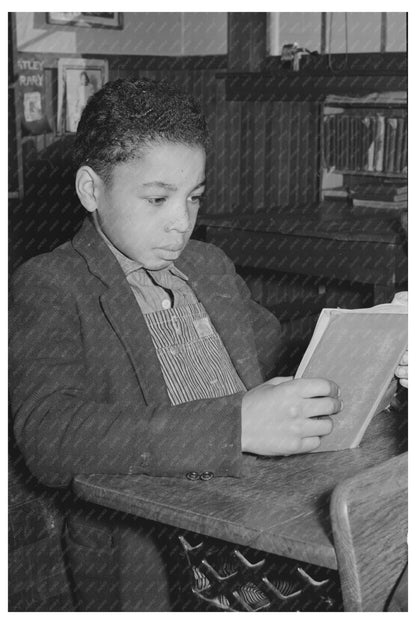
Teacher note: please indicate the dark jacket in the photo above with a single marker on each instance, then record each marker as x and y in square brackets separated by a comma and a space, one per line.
[88, 395]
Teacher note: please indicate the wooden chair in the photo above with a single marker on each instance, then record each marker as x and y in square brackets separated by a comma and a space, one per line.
[369, 522]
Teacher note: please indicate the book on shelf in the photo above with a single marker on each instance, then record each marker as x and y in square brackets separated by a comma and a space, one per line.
[345, 141]
[326, 142]
[356, 146]
[339, 147]
[359, 350]
[401, 128]
[365, 142]
[368, 151]
[374, 203]
[381, 192]
[379, 143]
[390, 144]
[403, 159]
[339, 192]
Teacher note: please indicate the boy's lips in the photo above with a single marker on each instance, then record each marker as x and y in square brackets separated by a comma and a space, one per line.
[170, 253]
[172, 248]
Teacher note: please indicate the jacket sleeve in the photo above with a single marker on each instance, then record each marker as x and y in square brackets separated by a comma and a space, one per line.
[62, 431]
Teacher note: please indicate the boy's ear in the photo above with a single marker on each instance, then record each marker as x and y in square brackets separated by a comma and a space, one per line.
[88, 186]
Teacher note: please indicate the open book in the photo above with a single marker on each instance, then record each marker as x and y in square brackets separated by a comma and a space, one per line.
[359, 350]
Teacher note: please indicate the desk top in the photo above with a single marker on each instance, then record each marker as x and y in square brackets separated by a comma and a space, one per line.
[282, 508]
[335, 224]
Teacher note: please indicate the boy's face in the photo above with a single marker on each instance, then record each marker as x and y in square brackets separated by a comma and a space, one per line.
[149, 210]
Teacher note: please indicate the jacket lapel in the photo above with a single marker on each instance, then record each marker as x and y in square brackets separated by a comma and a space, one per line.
[120, 307]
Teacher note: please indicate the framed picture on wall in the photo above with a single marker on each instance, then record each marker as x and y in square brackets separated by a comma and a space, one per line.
[78, 80]
[87, 20]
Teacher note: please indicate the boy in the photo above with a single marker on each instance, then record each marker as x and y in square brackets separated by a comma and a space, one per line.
[134, 349]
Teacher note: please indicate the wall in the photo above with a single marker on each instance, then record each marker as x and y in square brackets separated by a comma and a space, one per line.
[170, 34]
[364, 32]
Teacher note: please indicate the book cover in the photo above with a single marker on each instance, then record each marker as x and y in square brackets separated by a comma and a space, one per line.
[390, 144]
[379, 191]
[339, 146]
[357, 148]
[399, 143]
[368, 138]
[345, 142]
[338, 192]
[327, 142]
[332, 140]
[403, 159]
[359, 350]
[379, 143]
[375, 203]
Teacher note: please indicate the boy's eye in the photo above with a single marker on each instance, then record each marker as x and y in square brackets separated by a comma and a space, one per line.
[195, 199]
[156, 201]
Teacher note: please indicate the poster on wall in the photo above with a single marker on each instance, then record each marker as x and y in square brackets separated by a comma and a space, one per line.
[31, 89]
[78, 80]
[88, 20]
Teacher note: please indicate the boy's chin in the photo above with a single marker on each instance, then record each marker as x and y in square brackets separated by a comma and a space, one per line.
[158, 264]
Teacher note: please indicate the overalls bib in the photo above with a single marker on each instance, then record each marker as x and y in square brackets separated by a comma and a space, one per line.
[194, 361]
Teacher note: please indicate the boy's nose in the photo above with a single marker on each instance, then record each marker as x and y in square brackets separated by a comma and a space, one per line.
[179, 219]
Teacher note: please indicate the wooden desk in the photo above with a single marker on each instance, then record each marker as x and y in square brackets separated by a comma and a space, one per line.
[282, 508]
[365, 250]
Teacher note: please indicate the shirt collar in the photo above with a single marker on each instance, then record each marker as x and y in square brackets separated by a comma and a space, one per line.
[127, 264]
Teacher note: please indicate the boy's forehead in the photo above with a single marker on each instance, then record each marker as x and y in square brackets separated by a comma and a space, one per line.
[164, 160]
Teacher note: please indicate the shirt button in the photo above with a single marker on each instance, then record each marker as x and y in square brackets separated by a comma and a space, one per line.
[192, 476]
[173, 351]
[166, 304]
[206, 476]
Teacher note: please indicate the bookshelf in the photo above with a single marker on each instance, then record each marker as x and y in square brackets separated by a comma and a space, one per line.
[364, 151]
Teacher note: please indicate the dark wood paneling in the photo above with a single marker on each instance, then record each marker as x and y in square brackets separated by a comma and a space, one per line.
[300, 87]
[263, 154]
[357, 64]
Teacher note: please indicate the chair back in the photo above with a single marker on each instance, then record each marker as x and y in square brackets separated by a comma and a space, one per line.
[369, 523]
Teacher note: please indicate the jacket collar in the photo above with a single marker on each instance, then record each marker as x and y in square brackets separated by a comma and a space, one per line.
[124, 315]
[101, 262]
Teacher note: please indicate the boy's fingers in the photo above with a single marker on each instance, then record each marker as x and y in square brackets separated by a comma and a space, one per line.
[318, 387]
[310, 444]
[321, 407]
[317, 427]
[401, 371]
[405, 359]
[275, 381]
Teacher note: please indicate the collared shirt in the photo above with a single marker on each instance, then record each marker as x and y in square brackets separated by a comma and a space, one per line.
[153, 290]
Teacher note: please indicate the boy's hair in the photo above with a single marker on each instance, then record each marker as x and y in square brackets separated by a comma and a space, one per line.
[127, 115]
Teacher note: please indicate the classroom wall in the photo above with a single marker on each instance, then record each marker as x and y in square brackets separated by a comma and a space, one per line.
[363, 32]
[159, 34]
[263, 155]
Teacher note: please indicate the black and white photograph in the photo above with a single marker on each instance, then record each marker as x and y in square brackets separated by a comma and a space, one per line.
[208, 320]
[78, 80]
[87, 20]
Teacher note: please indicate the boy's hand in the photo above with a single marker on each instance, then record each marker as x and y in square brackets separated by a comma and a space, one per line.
[277, 416]
[401, 371]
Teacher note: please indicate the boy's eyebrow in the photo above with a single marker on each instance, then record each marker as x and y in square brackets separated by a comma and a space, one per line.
[169, 187]
[203, 183]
